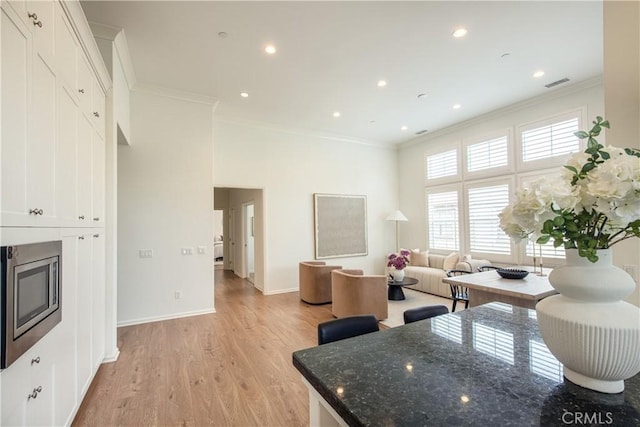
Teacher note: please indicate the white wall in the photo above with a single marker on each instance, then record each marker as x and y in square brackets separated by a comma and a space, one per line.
[290, 168]
[165, 192]
[622, 99]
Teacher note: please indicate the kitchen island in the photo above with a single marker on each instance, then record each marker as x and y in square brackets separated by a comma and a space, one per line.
[482, 366]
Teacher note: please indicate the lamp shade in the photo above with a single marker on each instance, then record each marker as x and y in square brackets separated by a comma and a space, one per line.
[397, 216]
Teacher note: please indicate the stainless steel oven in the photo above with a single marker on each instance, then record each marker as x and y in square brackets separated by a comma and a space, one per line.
[30, 296]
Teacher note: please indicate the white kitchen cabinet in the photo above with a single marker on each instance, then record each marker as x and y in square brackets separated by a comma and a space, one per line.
[98, 107]
[66, 54]
[98, 299]
[67, 155]
[98, 179]
[85, 170]
[84, 328]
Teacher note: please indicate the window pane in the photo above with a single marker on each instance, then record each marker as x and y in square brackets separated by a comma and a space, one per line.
[485, 235]
[550, 140]
[442, 211]
[487, 154]
[442, 164]
[548, 251]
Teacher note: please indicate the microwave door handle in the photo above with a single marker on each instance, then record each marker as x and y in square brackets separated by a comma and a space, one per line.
[54, 282]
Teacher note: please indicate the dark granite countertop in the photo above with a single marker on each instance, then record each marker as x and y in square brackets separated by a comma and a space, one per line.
[486, 366]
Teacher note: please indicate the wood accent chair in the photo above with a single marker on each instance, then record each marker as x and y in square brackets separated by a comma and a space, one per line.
[315, 281]
[355, 293]
[458, 292]
[487, 268]
[426, 312]
[346, 327]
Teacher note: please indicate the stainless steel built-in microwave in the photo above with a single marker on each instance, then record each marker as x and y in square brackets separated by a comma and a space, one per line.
[30, 296]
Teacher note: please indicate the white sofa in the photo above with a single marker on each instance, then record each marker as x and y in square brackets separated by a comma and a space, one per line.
[430, 277]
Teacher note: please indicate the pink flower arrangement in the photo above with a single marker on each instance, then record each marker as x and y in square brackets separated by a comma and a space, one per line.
[398, 261]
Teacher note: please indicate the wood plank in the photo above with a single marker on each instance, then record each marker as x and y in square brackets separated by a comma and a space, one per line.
[230, 368]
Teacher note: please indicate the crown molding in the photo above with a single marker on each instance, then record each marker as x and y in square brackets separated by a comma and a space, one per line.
[536, 100]
[176, 94]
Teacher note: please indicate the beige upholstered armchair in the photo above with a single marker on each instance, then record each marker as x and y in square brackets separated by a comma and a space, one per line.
[355, 293]
[315, 282]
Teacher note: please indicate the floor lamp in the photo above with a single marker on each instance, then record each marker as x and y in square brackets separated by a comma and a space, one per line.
[397, 216]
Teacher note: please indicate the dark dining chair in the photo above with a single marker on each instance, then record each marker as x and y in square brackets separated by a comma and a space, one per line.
[458, 292]
[487, 268]
[346, 327]
[426, 312]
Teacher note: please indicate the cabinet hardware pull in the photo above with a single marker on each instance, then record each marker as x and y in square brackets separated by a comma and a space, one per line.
[96, 218]
[81, 217]
[38, 23]
[36, 360]
[35, 392]
[95, 113]
[36, 211]
[96, 235]
[81, 237]
[81, 90]
[33, 16]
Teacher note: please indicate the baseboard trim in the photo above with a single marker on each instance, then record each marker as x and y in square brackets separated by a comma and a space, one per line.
[281, 291]
[166, 317]
[112, 358]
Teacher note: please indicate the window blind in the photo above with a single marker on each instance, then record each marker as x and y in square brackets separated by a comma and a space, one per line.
[493, 342]
[487, 154]
[442, 211]
[542, 362]
[550, 140]
[548, 251]
[442, 164]
[484, 205]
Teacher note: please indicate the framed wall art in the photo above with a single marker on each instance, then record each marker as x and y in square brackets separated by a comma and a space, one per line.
[340, 223]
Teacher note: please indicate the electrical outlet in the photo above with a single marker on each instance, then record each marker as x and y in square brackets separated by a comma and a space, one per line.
[202, 250]
[145, 253]
[177, 295]
[187, 251]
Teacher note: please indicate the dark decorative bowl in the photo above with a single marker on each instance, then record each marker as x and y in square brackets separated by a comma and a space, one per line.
[512, 273]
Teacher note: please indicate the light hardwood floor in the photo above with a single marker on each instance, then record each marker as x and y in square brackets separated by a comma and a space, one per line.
[230, 368]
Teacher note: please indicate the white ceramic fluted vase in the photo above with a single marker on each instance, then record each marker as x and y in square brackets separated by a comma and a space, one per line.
[398, 275]
[594, 334]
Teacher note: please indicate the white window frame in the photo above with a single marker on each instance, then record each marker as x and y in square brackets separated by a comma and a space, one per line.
[451, 188]
[579, 113]
[490, 172]
[509, 180]
[446, 179]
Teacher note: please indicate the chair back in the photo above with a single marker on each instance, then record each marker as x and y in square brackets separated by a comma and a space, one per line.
[426, 312]
[355, 293]
[346, 327]
[487, 268]
[315, 281]
[458, 292]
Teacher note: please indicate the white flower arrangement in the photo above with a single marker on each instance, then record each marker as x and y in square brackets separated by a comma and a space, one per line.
[594, 204]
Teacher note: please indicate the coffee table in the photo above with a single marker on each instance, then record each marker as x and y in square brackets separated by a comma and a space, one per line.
[395, 288]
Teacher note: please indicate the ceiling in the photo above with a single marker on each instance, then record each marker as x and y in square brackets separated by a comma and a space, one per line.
[331, 55]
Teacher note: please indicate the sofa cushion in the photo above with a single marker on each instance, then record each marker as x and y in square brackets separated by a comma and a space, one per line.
[450, 261]
[420, 259]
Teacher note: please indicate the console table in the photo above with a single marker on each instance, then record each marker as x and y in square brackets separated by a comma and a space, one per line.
[482, 366]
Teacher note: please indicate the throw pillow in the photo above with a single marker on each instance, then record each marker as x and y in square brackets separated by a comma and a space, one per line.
[420, 259]
[451, 261]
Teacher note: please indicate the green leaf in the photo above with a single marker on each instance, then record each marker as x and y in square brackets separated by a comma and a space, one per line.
[587, 167]
[605, 124]
[581, 134]
[558, 221]
[592, 143]
[572, 169]
[542, 240]
[557, 243]
[571, 226]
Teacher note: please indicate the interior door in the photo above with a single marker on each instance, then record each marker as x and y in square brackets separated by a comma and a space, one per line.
[249, 241]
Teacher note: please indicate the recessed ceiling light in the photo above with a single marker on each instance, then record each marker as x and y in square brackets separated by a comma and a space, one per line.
[244, 94]
[403, 128]
[270, 49]
[460, 32]
[336, 114]
[456, 106]
[382, 83]
[538, 74]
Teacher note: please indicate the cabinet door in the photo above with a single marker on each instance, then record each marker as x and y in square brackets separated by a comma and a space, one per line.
[98, 180]
[41, 147]
[85, 86]
[66, 52]
[98, 297]
[84, 363]
[67, 168]
[85, 160]
[98, 108]
[43, 24]
[15, 89]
